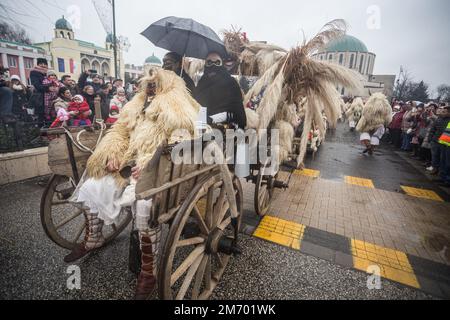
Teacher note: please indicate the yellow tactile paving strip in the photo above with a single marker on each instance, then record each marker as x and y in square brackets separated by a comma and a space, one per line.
[394, 265]
[422, 193]
[359, 182]
[283, 232]
[308, 173]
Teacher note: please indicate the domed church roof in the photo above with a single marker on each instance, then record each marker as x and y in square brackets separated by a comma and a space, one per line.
[63, 24]
[153, 60]
[346, 43]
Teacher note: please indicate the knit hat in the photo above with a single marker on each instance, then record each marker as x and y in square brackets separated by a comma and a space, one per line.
[15, 77]
[51, 73]
[79, 97]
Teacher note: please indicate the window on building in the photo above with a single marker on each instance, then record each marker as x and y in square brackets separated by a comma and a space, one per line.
[28, 63]
[361, 64]
[368, 66]
[12, 61]
[341, 58]
[330, 57]
[352, 59]
[61, 67]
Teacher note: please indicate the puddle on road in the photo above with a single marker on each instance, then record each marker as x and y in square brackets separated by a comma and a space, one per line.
[438, 243]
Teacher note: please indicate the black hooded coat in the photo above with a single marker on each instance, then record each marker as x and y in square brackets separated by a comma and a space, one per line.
[219, 92]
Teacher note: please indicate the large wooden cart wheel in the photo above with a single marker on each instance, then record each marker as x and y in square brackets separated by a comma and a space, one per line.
[63, 223]
[200, 243]
[264, 189]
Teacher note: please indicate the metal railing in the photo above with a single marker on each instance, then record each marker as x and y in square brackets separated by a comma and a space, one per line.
[20, 135]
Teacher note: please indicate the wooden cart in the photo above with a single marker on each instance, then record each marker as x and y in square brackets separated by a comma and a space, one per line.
[63, 223]
[191, 199]
[203, 206]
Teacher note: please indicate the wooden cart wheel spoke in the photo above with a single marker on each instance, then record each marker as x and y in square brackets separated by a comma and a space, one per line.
[75, 240]
[218, 205]
[223, 225]
[189, 276]
[201, 222]
[209, 214]
[190, 242]
[199, 273]
[208, 274]
[186, 264]
[219, 259]
[222, 214]
[59, 203]
[199, 277]
[54, 209]
[67, 220]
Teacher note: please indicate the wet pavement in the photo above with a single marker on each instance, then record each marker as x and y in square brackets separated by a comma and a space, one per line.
[32, 266]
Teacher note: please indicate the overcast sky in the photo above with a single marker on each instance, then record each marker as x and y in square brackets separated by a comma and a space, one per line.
[412, 33]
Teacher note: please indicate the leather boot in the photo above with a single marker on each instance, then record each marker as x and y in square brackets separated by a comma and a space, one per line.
[93, 238]
[146, 283]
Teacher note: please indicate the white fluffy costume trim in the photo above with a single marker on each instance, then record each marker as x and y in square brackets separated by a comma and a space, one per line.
[377, 112]
[354, 112]
[137, 133]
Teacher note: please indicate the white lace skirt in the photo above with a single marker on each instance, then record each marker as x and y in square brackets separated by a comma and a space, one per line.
[102, 196]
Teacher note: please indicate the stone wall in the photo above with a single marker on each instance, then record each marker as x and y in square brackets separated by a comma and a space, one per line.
[17, 166]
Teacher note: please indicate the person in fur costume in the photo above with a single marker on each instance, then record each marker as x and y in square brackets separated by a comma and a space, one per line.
[354, 113]
[154, 116]
[376, 115]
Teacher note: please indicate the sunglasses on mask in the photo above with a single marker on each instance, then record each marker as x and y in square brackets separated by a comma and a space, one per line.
[210, 63]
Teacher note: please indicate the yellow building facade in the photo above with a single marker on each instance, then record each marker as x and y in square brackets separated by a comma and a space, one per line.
[71, 56]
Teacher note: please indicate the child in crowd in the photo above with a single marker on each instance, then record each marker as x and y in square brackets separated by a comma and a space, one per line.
[52, 81]
[113, 115]
[119, 100]
[79, 111]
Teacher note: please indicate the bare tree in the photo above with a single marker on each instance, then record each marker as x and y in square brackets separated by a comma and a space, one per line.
[14, 33]
[444, 93]
[402, 86]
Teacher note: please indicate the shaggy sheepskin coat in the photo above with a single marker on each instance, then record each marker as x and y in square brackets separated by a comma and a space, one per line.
[355, 111]
[139, 131]
[377, 112]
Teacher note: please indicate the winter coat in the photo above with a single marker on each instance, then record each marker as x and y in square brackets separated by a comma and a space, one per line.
[20, 100]
[116, 102]
[60, 103]
[377, 112]
[82, 82]
[397, 120]
[104, 104]
[407, 121]
[438, 128]
[221, 93]
[37, 76]
[82, 108]
[354, 112]
[90, 101]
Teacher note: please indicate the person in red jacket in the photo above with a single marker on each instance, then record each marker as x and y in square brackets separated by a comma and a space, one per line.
[80, 112]
[395, 127]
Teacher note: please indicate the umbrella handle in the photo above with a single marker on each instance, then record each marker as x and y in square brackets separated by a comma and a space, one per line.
[182, 65]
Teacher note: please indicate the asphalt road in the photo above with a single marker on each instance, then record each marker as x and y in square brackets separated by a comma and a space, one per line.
[32, 266]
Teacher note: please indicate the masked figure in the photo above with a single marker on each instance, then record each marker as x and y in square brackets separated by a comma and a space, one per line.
[156, 113]
[220, 94]
[173, 61]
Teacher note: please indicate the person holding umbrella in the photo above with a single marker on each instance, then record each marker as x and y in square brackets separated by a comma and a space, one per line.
[172, 61]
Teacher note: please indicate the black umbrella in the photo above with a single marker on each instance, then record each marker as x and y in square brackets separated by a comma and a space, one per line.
[186, 37]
